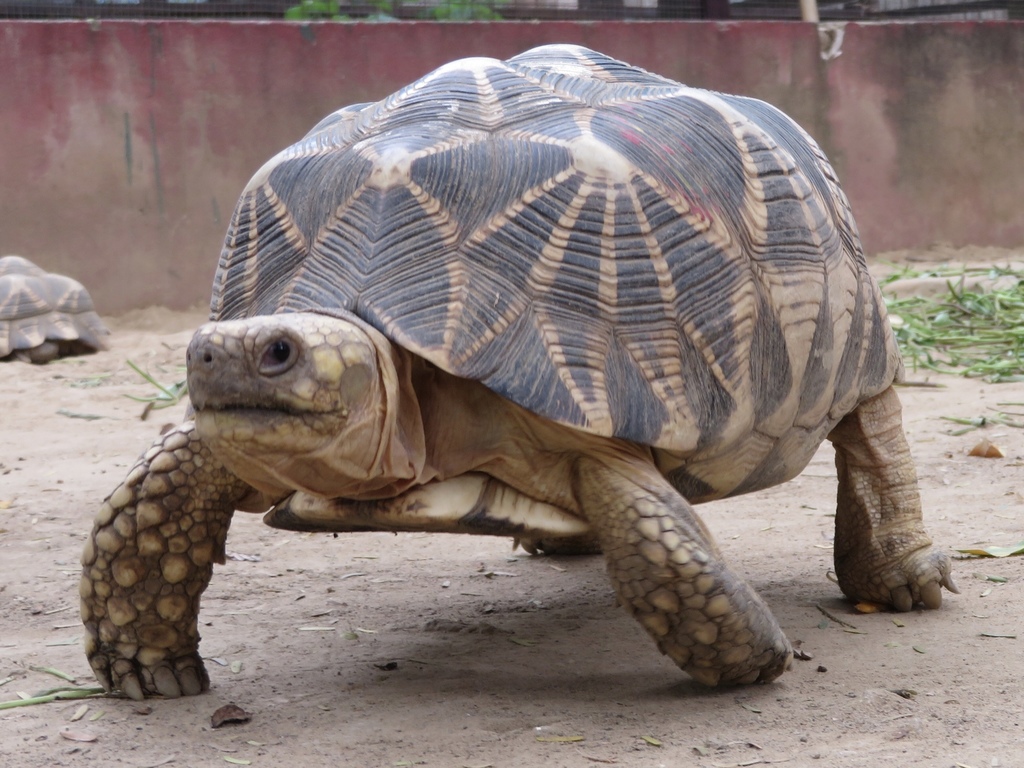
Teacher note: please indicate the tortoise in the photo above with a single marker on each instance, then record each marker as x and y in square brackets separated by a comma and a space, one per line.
[555, 298]
[44, 316]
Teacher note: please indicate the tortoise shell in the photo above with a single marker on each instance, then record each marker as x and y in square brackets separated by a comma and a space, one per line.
[44, 315]
[603, 246]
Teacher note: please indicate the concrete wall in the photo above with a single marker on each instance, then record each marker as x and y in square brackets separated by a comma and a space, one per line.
[124, 145]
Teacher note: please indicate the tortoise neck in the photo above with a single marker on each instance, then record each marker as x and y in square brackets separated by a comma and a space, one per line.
[400, 459]
[466, 425]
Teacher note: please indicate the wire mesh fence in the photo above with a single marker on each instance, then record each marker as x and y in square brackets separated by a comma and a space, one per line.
[461, 10]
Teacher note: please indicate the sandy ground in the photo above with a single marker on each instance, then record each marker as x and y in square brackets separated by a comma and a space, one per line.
[403, 650]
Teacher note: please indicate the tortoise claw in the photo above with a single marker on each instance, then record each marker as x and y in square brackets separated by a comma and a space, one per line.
[171, 679]
[166, 683]
[915, 579]
[131, 687]
[100, 664]
[948, 583]
[708, 677]
[931, 595]
[192, 680]
[748, 679]
[902, 600]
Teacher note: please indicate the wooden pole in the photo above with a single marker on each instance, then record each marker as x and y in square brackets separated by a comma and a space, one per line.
[809, 10]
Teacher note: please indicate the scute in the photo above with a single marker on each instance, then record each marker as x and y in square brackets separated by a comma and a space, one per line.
[603, 246]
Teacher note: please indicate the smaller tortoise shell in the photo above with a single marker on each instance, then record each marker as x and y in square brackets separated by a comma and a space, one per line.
[605, 247]
[43, 316]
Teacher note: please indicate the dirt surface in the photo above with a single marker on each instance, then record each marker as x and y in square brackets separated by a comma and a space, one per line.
[402, 650]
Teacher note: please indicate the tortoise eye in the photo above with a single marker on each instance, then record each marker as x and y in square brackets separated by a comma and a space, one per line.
[278, 357]
[280, 351]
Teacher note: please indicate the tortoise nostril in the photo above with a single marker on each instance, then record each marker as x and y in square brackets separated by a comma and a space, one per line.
[207, 357]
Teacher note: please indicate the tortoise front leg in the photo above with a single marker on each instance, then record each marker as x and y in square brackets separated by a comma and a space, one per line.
[147, 562]
[882, 552]
[669, 575]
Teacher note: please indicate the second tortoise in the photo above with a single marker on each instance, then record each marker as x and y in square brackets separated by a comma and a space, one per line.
[44, 315]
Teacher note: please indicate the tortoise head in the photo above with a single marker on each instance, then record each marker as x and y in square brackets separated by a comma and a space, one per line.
[307, 402]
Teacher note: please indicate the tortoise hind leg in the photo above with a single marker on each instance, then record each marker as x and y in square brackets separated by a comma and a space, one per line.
[147, 562]
[669, 575]
[882, 552]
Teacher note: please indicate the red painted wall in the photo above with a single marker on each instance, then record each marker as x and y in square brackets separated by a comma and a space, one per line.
[124, 145]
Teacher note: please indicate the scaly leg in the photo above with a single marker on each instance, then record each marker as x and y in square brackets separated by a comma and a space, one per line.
[147, 562]
[882, 552]
[670, 577]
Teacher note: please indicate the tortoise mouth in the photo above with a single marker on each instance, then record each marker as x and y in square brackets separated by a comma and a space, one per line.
[254, 407]
[255, 431]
